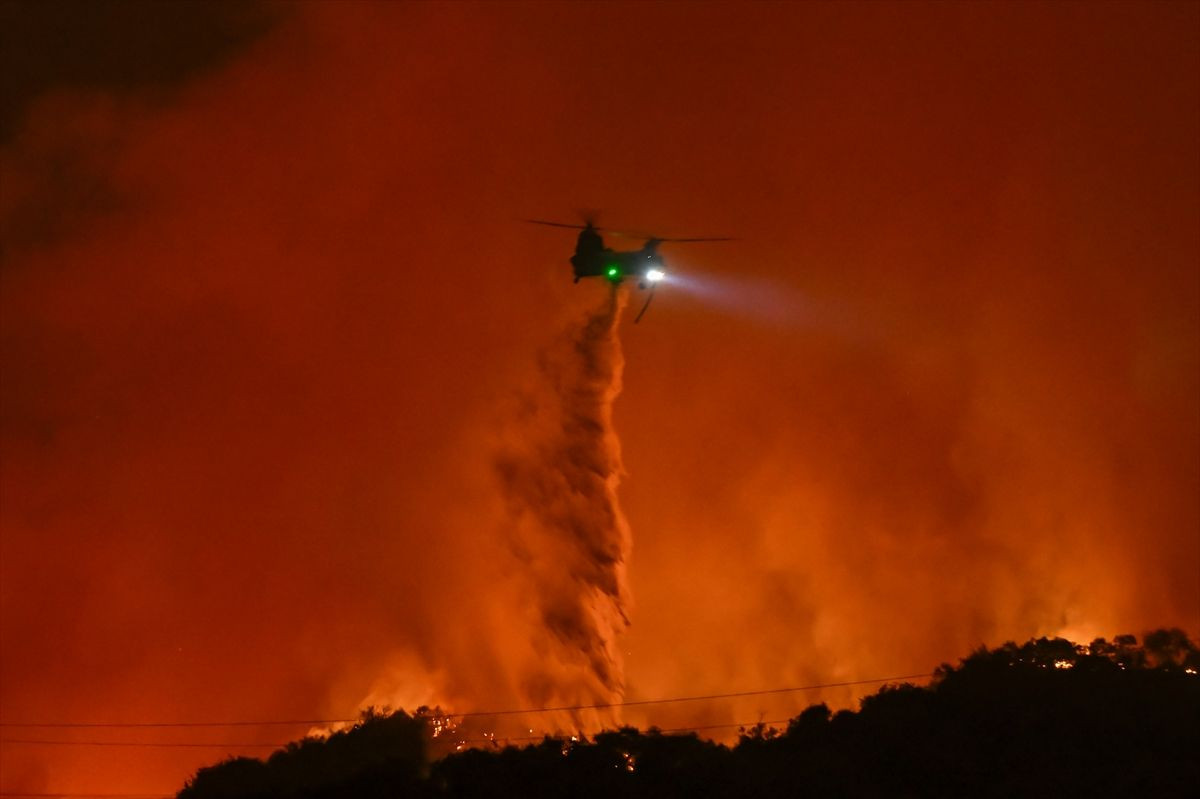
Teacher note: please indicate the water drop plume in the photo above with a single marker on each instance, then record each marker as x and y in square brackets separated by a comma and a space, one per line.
[559, 471]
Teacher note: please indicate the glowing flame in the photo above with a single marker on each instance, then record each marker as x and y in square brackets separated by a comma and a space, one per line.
[440, 724]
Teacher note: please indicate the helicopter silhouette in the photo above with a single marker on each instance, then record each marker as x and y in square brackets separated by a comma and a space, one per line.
[593, 259]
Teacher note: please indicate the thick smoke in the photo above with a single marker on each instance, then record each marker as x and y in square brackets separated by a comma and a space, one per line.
[559, 474]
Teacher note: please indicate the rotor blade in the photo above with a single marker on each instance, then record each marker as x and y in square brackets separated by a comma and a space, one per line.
[618, 233]
[712, 239]
[555, 224]
[631, 234]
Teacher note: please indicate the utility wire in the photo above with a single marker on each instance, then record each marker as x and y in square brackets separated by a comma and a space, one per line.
[492, 740]
[695, 728]
[506, 741]
[238, 744]
[139, 724]
[698, 698]
[165, 744]
[471, 714]
[21, 795]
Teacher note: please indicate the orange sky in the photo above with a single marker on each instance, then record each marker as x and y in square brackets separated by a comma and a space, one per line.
[264, 326]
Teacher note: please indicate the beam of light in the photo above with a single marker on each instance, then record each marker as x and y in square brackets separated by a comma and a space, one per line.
[754, 298]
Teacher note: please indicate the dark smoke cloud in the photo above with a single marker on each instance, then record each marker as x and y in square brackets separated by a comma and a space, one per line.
[559, 472]
[71, 73]
[116, 46]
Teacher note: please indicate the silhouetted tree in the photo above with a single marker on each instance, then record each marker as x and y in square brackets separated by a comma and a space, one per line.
[1168, 647]
[381, 756]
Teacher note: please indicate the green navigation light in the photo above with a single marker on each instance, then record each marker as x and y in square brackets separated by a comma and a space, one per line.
[613, 271]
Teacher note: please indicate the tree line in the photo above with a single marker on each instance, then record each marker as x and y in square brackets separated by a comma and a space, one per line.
[1043, 718]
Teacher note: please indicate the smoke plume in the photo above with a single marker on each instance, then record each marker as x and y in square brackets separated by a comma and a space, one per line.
[559, 475]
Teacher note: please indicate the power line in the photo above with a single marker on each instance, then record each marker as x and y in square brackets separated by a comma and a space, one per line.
[698, 698]
[4, 795]
[477, 713]
[241, 745]
[20, 795]
[139, 724]
[694, 728]
[725, 726]
[166, 744]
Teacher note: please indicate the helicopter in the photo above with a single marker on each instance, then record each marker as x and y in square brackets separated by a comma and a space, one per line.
[593, 259]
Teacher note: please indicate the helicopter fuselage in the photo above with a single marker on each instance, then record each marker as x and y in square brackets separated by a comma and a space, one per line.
[593, 259]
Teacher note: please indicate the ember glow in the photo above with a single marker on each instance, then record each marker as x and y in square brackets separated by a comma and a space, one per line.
[287, 388]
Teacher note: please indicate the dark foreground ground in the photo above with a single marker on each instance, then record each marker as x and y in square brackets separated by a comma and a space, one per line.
[1048, 718]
